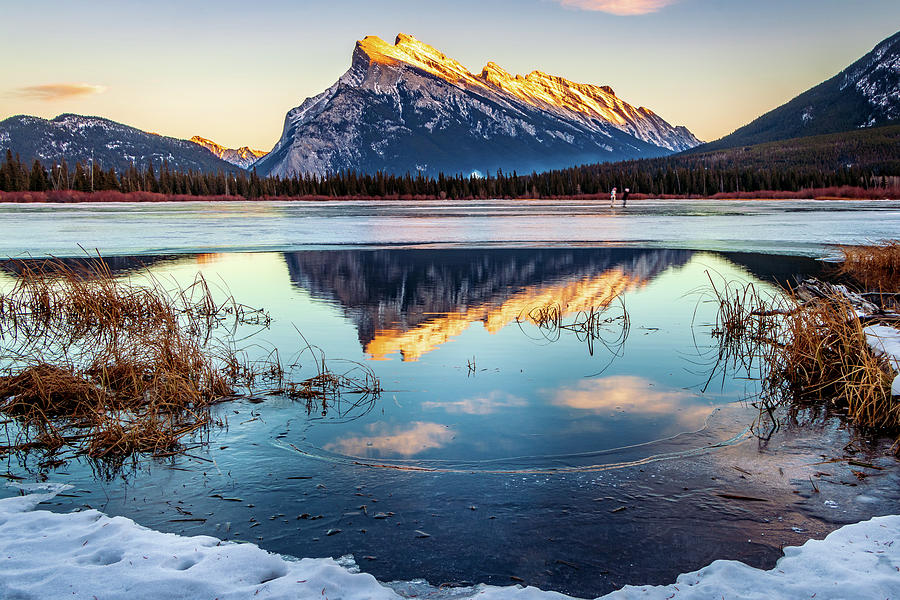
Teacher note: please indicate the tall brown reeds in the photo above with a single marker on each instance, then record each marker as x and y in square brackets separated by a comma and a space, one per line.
[109, 367]
[875, 267]
[812, 351]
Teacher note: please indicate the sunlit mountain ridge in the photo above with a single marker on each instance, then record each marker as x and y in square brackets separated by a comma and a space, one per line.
[408, 107]
[242, 157]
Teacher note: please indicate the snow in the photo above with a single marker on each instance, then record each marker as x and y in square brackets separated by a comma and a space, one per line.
[885, 341]
[87, 554]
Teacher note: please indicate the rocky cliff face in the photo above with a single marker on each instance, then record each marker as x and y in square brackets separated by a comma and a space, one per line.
[408, 107]
[242, 157]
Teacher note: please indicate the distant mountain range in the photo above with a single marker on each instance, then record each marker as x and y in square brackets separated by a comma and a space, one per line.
[408, 107]
[75, 138]
[865, 94]
[242, 157]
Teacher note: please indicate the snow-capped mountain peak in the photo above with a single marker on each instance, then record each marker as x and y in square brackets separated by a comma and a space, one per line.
[409, 107]
[242, 157]
[79, 138]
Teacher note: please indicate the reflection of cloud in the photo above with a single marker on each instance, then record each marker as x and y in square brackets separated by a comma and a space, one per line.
[416, 438]
[58, 91]
[619, 7]
[483, 405]
[630, 394]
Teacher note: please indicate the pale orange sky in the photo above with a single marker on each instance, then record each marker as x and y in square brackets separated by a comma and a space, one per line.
[230, 71]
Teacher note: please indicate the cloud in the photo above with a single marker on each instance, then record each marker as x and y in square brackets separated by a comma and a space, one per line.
[632, 395]
[58, 91]
[482, 405]
[619, 7]
[398, 441]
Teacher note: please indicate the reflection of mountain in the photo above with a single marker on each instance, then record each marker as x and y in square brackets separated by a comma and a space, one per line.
[117, 265]
[412, 301]
[783, 270]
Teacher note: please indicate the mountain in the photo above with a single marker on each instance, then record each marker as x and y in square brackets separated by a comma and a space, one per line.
[408, 107]
[74, 137]
[242, 157]
[865, 94]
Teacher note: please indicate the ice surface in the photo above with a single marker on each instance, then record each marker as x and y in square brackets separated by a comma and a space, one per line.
[786, 227]
[88, 554]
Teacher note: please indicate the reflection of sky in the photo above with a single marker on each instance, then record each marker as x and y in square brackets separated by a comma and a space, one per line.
[632, 395]
[478, 405]
[405, 441]
[526, 398]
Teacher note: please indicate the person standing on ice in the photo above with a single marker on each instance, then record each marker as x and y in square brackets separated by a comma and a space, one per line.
[612, 198]
[625, 197]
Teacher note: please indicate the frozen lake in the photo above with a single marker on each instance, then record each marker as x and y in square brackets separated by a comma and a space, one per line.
[787, 227]
[568, 463]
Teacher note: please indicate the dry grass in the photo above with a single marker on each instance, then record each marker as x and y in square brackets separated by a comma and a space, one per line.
[108, 368]
[607, 325]
[875, 267]
[805, 352]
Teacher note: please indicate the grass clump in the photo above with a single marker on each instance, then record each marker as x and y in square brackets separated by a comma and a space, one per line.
[875, 267]
[809, 345]
[822, 355]
[108, 367]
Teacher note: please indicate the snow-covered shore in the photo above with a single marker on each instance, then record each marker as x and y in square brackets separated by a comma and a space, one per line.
[46, 555]
[885, 341]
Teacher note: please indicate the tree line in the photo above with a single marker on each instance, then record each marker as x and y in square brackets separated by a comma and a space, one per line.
[832, 161]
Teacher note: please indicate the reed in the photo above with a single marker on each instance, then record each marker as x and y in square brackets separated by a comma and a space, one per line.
[607, 325]
[805, 352]
[875, 267]
[824, 357]
[108, 367]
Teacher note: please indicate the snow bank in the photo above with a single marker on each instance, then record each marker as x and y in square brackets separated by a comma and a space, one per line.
[45, 555]
[885, 341]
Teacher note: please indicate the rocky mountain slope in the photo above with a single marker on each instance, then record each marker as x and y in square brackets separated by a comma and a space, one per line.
[408, 107]
[865, 94]
[242, 157]
[75, 137]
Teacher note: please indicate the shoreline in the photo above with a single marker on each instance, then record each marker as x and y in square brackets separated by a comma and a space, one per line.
[108, 197]
[84, 552]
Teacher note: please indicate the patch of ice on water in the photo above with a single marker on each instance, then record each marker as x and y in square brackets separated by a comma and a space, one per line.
[86, 554]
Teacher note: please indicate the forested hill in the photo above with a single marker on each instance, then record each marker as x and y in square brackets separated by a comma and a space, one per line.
[877, 149]
[865, 94]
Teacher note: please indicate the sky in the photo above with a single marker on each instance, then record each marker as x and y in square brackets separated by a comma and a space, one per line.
[229, 71]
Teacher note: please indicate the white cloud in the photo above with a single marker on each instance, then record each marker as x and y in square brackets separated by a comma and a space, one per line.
[619, 7]
[58, 91]
[387, 442]
[481, 405]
